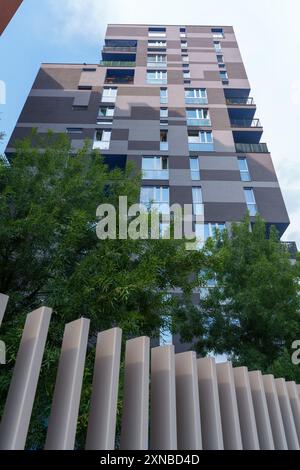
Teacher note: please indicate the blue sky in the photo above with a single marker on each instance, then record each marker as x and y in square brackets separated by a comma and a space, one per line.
[267, 31]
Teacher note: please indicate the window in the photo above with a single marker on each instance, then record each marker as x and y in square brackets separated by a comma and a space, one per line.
[109, 95]
[106, 111]
[157, 43]
[217, 32]
[163, 95]
[164, 113]
[183, 44]
[186, 74]
[197, 201]
[198, 117]
[200, 141]
[195, 168]
[224, 76]
[85, 87]
[102, 139]
[89, 69]
[185, 58]
[155, 168]
[220, 59]
[182, 32]
[207, 230]
[157, 32]
[244, 171]
[250, 201]
[195, 96]
[164, 140]
[156, 76]
[157, 60]
[217, 46]
[156, 198]
[74, 130]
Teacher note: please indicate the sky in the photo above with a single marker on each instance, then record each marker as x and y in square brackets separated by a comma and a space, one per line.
[267, 32]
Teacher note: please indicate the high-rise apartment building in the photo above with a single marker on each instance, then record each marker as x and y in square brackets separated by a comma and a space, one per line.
[7, 10]
[176, 100]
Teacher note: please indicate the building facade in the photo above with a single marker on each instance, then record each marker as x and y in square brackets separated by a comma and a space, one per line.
[7, 10]
[175, 100]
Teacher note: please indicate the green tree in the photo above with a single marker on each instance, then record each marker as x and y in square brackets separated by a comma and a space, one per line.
[252, 312]
[50, 254]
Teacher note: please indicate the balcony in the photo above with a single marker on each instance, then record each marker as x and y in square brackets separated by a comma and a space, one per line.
[199, 122]
[119, 76]
[116, 63]
[205, 147]
[155, 174]
[240, 101]
[245, 123]
[251, 148]
[195, 100]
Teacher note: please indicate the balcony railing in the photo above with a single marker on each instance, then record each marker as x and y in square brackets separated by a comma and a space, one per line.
[199, 122]
[205, 147]
[194, 100]
[251, 148]
[119, 48]
[116, 63]
[245, 123]
[155, 174]
[117, 80]
[240, 101]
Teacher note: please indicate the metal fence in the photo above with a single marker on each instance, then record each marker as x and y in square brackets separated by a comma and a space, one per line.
[170, 401]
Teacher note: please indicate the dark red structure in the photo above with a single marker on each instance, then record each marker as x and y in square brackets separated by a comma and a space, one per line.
[7, 10]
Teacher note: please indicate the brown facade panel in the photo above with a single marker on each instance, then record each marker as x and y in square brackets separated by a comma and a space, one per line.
[181, 195]
[63, 78]
[144, 113]
[200, 42]
[138, 91]
[7, 10]
[127, 31]
[223, 212]
[261, 167]
[120, 134]
[270, 205]
[236, 70]
[220, 175]
[175, 77]
[219, 118]
[143, 145]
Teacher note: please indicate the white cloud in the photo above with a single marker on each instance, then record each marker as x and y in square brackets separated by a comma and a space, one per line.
[85, 18]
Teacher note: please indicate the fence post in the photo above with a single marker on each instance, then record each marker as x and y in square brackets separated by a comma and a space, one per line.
[163, 399]
[187, 402]
[135, 417]
[228, 407]
[260, 406]
[64, 411]
[212, 435]
[22, 390]
[246, 410]
[103, 412]
[287, 415]
[3, 304]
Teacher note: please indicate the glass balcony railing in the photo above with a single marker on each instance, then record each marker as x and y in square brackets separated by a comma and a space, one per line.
[205, 147]
[199, 122]
[240, 101]
[116, 63]
[194, 100]
[164, 146]
[155, 174]
[157, 64]
[292, 248]
[251, 148]
[245, 123]
[119, 48]
[157, 81]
